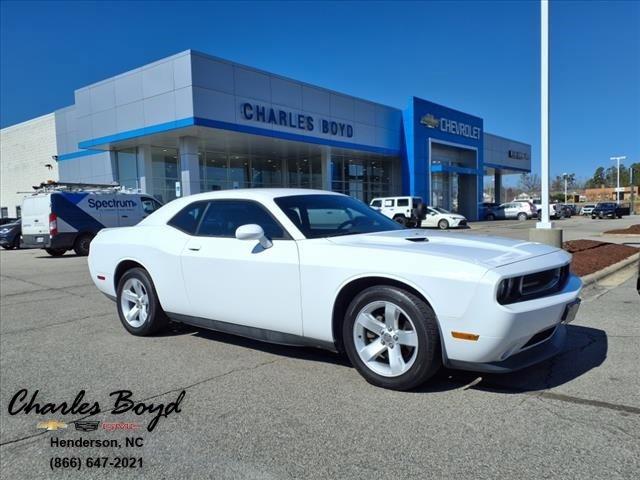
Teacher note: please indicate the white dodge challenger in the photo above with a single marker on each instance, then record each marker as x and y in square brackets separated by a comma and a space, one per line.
[305, 267]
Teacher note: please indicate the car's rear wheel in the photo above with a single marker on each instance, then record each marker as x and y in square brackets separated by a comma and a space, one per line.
[82, 244]
[443, 224]
[55, 252]
[401, 219]
[522, 217]
[138, 306]
[391, 337]
[491, 216]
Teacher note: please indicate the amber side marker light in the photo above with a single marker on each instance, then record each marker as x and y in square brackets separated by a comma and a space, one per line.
[465, 336]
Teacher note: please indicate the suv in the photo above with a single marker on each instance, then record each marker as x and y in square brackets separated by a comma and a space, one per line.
[408, 211]
[609, 210]
[587, 209]
[520, 210]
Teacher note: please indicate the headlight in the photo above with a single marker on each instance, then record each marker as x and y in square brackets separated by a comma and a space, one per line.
[532, 285]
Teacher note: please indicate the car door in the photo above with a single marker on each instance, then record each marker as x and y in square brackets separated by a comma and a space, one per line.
[431, 219]
[239, 281]
[388, 207]
[510, 210]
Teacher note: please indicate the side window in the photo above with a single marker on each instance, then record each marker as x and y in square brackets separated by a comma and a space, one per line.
[188, 218]
[223, 217]
[403, 202]
[376, 203]
[150, 205]
[388, 203]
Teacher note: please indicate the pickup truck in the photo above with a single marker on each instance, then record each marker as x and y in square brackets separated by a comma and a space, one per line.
[609, 210]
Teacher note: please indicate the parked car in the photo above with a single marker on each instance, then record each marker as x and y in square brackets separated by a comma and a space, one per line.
[566, 210]
[5, 220]
[573, 208]
[306, 267]
[63, 220]
[609, 210]
[443, 219]
[555, 211]
[407, 211]
[10, 235]
[587, 209]
[513, 210]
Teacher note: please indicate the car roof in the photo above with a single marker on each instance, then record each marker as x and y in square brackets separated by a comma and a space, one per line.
[262, 195]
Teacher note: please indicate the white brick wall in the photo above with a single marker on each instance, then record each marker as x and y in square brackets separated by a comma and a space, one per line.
[25, 149]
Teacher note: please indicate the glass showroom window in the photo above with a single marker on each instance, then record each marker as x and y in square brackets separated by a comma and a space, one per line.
[127, 168]
[362, 177]
[305, 171]
[164, 172]
[214, 169]
[266, 172]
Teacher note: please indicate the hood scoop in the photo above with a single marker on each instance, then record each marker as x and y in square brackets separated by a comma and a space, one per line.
[417, 239]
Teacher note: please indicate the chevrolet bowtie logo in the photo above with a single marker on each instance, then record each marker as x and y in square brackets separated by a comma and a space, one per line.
[430, 121]
[52, 425]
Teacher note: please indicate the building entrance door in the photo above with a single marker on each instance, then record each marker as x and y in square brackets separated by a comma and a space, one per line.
[453, 182]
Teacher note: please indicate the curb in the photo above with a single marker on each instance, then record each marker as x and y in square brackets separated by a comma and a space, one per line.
[610, 270]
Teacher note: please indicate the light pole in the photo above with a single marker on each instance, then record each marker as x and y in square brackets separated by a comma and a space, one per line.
[618, 158]
[564, 175]
[544, 114]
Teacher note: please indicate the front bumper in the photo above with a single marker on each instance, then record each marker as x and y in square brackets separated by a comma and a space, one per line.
[526, 358]
[511, 336]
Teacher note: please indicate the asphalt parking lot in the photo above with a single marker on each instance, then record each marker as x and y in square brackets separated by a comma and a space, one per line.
[253, 410]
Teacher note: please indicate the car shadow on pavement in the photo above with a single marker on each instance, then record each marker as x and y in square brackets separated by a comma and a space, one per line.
[585, 349]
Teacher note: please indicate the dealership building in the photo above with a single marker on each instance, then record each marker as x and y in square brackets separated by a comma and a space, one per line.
[192, 123]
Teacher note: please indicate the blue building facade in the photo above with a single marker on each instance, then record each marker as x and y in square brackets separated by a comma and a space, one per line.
[192, 122]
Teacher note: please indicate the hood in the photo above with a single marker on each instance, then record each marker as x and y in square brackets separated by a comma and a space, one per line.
[484, 250]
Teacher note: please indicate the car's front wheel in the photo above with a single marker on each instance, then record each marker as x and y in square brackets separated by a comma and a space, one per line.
[138, 306]
[391, 337]
[443, 224]
[522, 217]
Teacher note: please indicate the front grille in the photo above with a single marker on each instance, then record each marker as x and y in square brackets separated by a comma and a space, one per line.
[533, 285]
[540, 337]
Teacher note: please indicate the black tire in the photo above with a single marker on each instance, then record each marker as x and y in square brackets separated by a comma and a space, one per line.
[55, 252]
[156, 319]
[8, 247]
[522, 216]
[443, 224]
[491, 216]
[82, 244]
[428, 358]
[401, 219]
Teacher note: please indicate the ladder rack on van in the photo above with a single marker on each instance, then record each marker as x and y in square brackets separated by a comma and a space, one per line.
[48, 187]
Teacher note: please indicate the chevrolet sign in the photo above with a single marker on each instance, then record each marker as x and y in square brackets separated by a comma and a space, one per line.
[451, 126]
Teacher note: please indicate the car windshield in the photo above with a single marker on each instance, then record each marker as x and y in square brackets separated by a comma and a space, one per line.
[318, 216]
[440, 210]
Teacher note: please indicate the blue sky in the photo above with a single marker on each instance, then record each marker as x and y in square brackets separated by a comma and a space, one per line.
[479, 57]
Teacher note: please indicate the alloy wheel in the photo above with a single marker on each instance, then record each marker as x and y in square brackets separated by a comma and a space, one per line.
[134, 302]
[385, 338]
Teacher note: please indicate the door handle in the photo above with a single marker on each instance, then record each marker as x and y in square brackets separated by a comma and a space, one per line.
[194, 248]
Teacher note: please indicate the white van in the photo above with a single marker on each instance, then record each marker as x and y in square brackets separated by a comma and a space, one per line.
[63, 220]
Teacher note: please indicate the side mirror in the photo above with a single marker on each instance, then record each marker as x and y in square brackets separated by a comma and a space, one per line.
[253, 232]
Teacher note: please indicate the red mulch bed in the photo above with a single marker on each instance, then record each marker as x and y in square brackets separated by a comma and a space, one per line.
[632, 230]
[590, 256]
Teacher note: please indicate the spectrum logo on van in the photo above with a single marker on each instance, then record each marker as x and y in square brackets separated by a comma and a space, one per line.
[114, 203]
